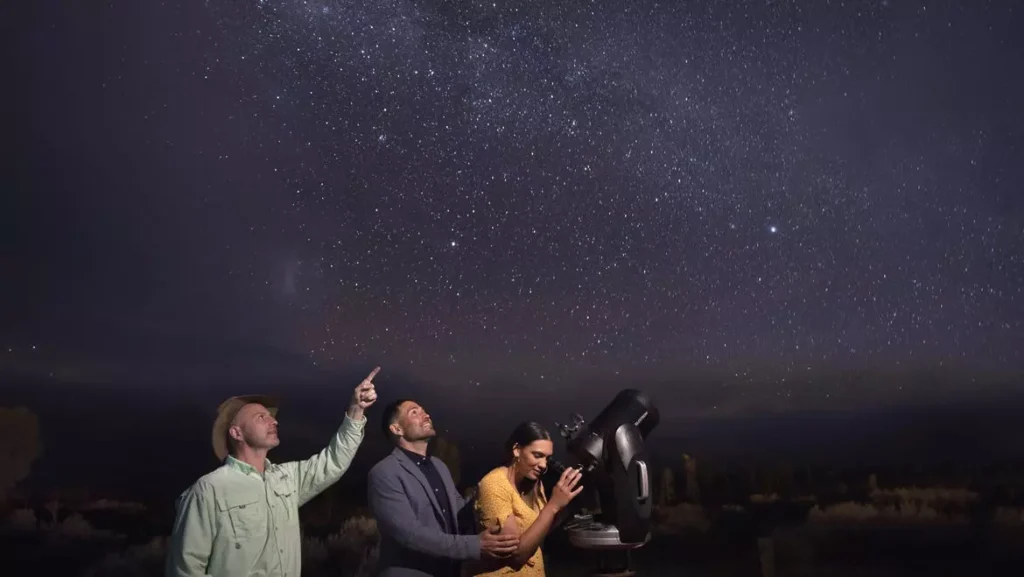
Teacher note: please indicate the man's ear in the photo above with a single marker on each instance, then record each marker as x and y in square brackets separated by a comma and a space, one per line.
[395, 429]
[235, 432]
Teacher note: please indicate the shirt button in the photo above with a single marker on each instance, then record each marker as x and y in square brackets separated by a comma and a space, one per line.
[238, 545]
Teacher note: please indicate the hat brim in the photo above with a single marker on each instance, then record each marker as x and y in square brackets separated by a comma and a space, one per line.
[226, 413]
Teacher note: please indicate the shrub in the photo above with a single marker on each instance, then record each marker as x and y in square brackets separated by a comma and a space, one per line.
[314, 555]
[794, 546]
[680, 518]
[904, 511]
[20, 521]
[136, 561]
[351, 551]
[1008, 516]
[75, 527]
[112, 505]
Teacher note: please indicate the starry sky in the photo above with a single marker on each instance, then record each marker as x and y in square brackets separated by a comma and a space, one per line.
[472, 192]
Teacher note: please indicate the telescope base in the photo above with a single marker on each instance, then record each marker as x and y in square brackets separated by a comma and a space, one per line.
[586, 533]
[612, 555]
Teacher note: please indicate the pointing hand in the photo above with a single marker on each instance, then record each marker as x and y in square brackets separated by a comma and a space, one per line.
[364, 396]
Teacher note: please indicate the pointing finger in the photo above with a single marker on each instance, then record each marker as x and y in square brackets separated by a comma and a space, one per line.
[373, 373]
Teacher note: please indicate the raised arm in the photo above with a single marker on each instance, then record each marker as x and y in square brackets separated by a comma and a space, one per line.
[191, 543]
[322, 470]
[325, 468]
[395, 517]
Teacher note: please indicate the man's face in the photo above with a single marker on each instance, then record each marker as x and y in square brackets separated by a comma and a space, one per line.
[255, 427]
[413, 423]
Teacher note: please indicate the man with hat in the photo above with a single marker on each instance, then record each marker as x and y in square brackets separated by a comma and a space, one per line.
[243, 518]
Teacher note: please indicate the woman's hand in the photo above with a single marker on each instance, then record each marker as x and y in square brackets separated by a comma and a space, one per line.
[566, 489]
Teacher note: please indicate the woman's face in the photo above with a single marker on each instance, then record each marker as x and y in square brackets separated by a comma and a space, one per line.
[532, 460]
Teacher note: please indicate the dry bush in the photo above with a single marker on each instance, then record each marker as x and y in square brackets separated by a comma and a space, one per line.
[20, 446]
[20, 521]
[794, 546]
[1008, 516]
[76, 528]
[929, 494]
[667, 488]
[352, 550]
[137, 561]
[680, 518]
[315, 556]
[904, 512]
[904, 504]
[946, 501]
[112, 505]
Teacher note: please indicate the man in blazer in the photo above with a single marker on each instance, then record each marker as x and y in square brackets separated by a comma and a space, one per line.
[420, 515]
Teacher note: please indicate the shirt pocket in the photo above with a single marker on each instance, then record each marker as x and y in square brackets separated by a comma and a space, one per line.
[284, 497]
[245, 513]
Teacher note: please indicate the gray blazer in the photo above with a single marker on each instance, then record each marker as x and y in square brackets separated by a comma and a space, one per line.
[415, 538]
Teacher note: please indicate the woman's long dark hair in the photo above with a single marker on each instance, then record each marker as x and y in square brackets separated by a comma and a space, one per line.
[524, 434]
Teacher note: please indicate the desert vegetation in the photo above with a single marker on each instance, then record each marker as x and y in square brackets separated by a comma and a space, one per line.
[76, 546]
[724, 519]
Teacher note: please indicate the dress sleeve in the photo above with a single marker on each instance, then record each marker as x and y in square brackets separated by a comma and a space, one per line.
[493, 502]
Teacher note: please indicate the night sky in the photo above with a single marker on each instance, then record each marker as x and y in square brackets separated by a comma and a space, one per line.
[527, 191]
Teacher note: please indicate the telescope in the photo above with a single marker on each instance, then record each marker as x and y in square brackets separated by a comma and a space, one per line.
[612, 457]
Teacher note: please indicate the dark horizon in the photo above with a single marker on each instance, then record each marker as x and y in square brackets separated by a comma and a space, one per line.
[135, 435]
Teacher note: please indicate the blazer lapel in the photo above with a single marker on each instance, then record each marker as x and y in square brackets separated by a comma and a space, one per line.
[413, 470]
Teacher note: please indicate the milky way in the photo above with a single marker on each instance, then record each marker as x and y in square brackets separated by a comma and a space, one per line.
[545, 186]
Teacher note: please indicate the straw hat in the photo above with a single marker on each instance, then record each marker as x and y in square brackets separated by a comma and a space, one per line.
[226, 413]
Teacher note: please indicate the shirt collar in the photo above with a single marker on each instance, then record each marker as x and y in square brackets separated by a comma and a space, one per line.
[243, 467]
[416, 457]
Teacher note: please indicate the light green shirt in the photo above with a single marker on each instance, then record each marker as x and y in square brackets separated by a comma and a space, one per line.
[236, 522]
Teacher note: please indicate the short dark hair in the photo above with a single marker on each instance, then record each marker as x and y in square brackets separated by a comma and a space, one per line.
[391, 413]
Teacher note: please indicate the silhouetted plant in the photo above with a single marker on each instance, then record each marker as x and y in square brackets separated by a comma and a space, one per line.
[20, 521]
[137, 561]
[680, 518]
[667, 489]
[20, 446]
[351, 551]
[692, 488]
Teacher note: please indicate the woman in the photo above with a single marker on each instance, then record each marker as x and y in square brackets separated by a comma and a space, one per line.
[512, 497]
